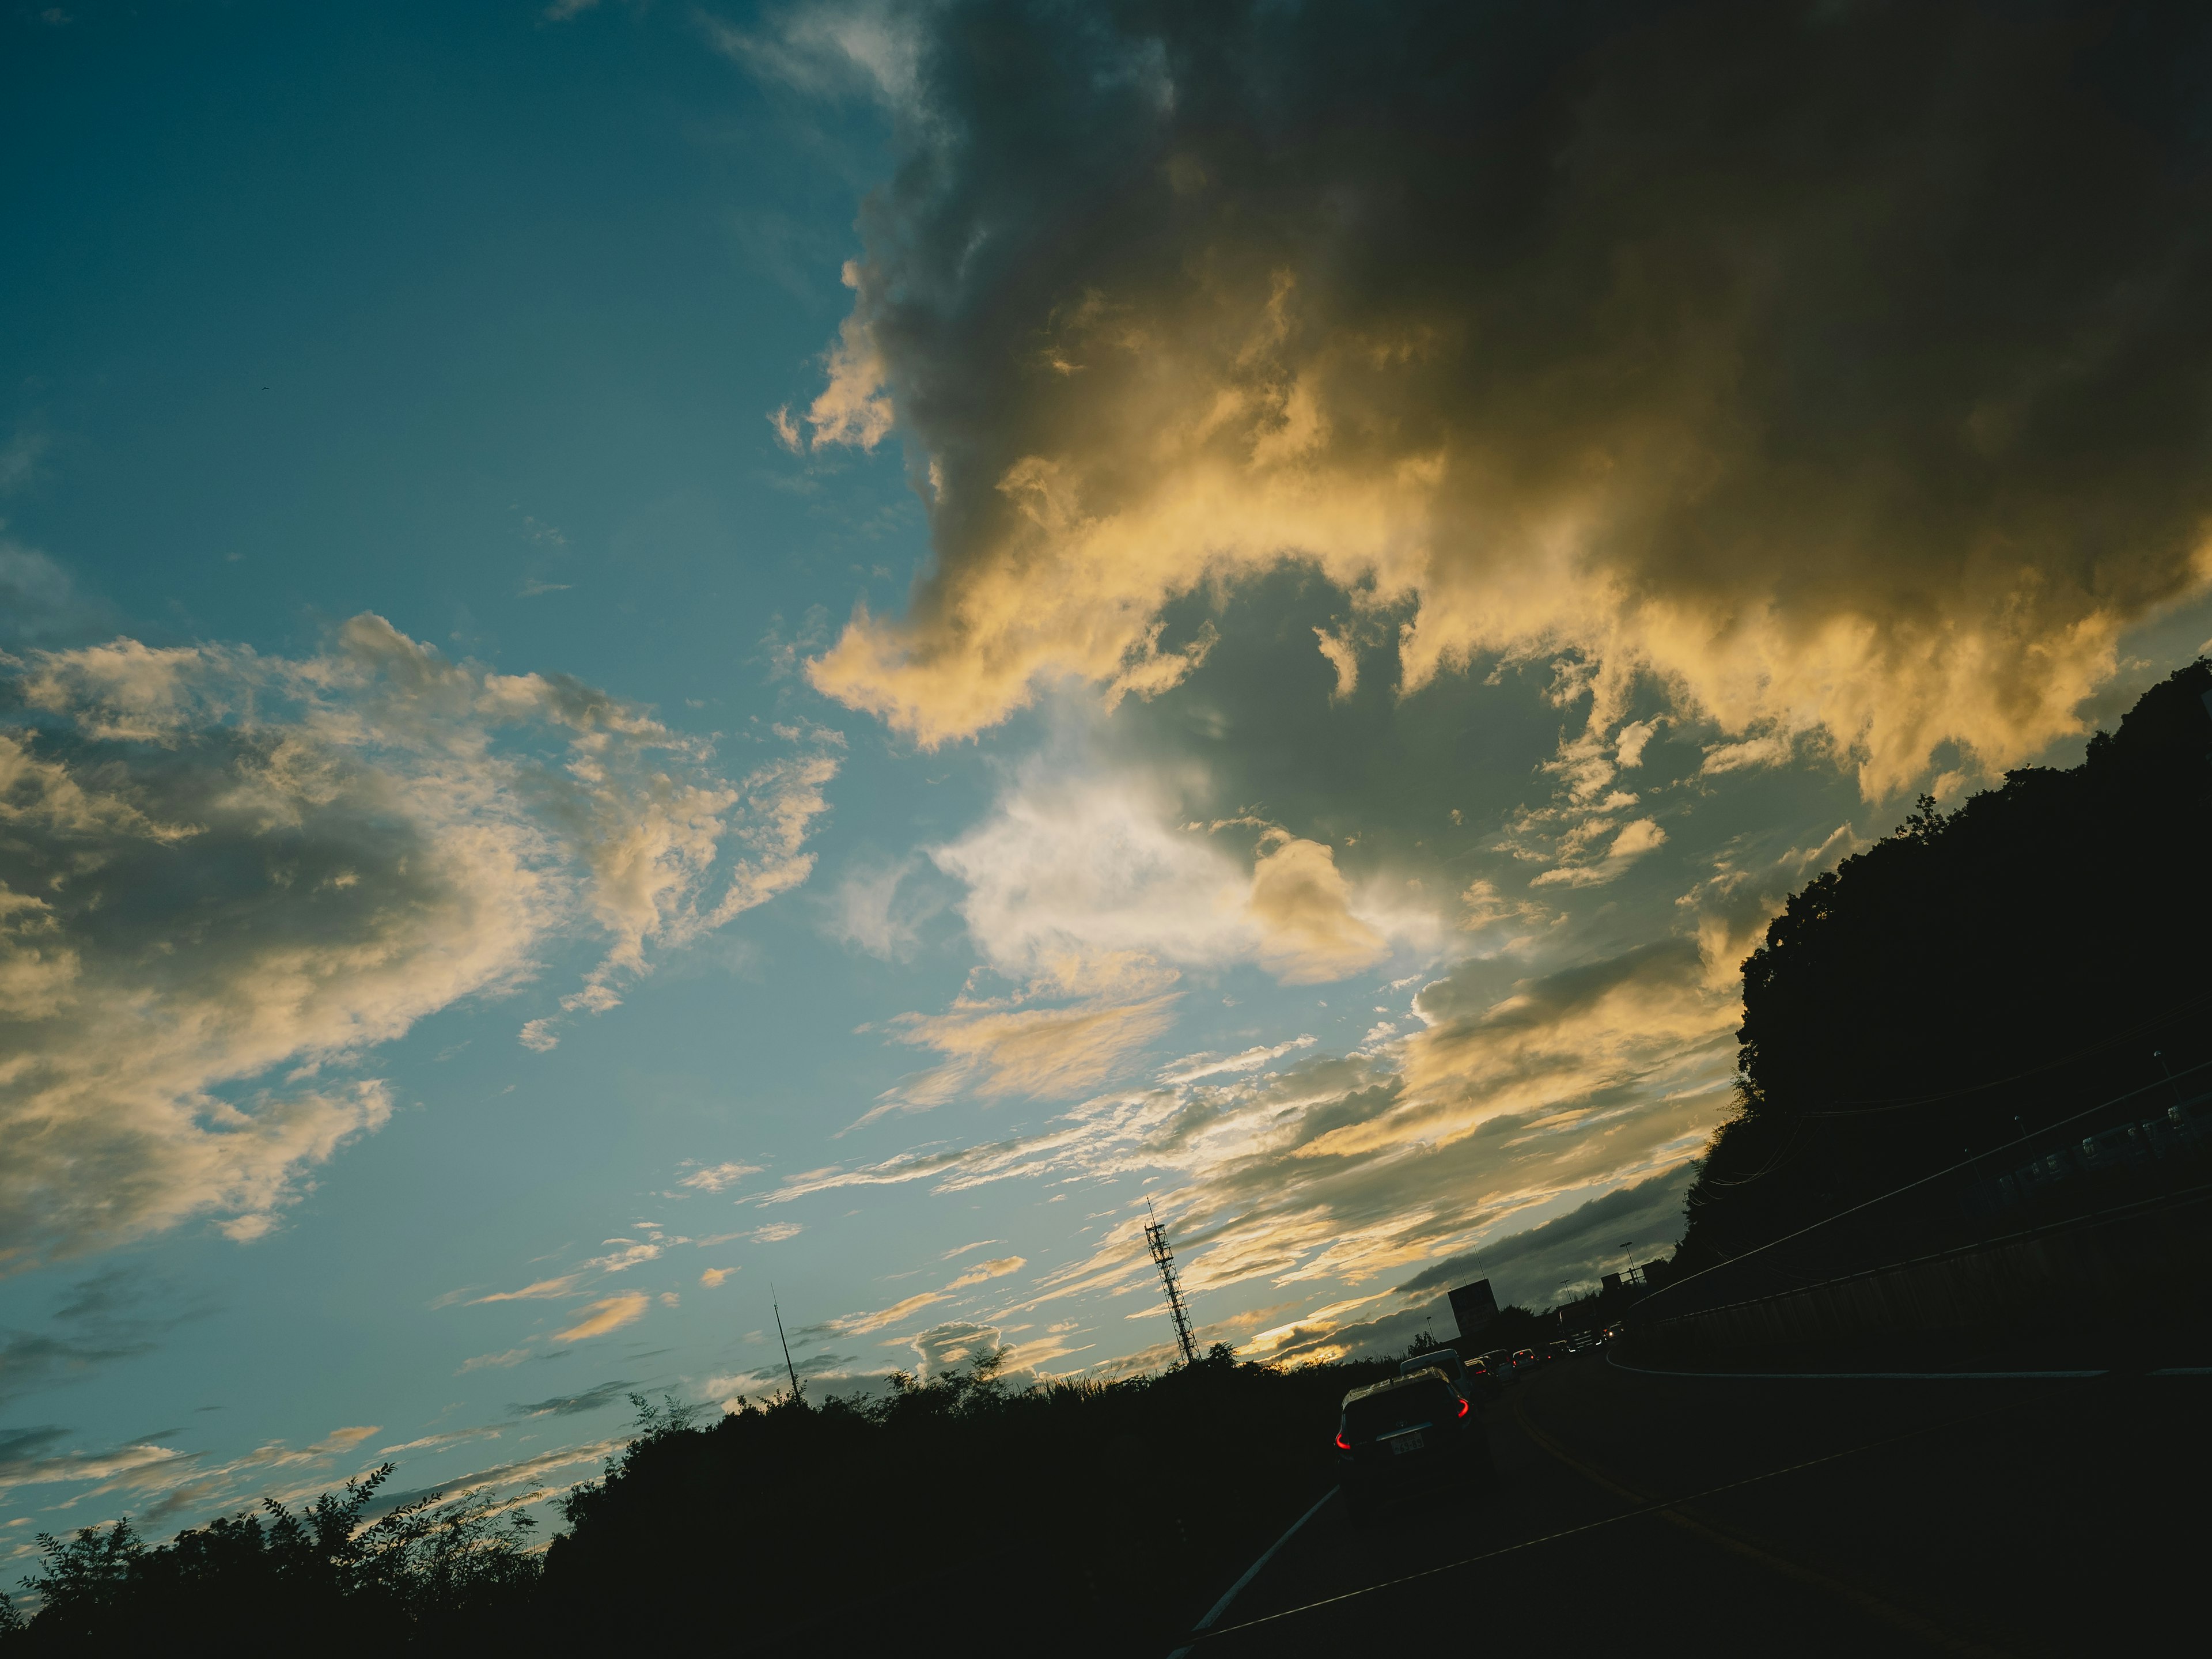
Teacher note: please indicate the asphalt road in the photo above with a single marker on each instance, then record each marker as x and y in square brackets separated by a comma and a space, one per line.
[1638, 1513]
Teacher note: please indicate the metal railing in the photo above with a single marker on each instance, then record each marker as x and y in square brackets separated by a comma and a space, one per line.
[2139, 1151]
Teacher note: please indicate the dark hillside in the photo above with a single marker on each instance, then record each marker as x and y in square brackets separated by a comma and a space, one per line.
[1976, 975]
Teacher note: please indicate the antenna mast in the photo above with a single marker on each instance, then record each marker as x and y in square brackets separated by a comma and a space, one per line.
[788, 1367]
[1155, 1237]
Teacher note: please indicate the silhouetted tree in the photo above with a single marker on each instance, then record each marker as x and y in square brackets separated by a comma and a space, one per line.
[1978, 975]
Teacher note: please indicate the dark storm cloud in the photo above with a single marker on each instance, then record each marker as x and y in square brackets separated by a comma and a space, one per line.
[1841, 367]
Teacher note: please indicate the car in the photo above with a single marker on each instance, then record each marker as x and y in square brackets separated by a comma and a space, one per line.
[1406, 1436]
[1440, 1359]
[1500, 1363]
[1525, 1359]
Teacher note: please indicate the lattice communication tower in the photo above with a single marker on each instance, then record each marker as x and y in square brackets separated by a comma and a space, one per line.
[1155, 1237]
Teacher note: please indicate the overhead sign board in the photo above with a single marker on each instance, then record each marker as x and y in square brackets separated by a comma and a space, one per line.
[1474, 1307]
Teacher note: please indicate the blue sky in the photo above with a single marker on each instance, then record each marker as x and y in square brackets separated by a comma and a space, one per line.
[656, 650]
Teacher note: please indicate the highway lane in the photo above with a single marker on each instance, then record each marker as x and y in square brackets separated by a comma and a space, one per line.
[1996, 1517]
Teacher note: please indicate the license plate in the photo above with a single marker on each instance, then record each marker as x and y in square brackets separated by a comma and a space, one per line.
[1405, 1442]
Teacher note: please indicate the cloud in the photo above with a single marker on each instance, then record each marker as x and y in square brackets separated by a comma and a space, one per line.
[864, 48]
[1072, 869]
[942, 1348]
[161, 1483]
[1299, 898]
[39, 603]
[495, 1361]
[1519, 1095]
[138, 1465]
[1752, 879]
[541, 1290]
[712, 1276]
[996, 1049]
[1837, 370]
[1535, 1267]
[860, 1324]
[609, 1314]
[1633, 842]
[1194, 1066]
[118, 1313]
[718, 1176]
[983, 1272]
[1568, 1254]
[523, 1474]
[1085, 892]
[224, 876]
[576, 1404]
[880, 909]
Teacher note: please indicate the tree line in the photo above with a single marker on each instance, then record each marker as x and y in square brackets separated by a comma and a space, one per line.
[957, 1510]
[1976, 975]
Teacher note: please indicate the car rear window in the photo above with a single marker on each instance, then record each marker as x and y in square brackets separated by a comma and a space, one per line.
[1432, 1401]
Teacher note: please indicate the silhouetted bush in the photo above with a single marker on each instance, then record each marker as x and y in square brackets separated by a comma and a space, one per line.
[424, 1572]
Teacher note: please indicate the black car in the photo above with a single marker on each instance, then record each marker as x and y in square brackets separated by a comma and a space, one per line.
[1412, 1434]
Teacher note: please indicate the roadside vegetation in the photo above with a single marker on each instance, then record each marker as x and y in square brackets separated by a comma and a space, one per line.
[958, 1511]
[1981, 974]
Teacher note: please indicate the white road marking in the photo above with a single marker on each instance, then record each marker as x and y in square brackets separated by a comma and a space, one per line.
[1252, 1572]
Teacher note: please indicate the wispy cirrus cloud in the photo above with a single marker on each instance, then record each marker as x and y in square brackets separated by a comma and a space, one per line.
[1513, 1095]
[983, 1272]
[607, 1314]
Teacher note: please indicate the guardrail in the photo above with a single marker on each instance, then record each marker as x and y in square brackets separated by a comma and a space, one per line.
[2108, 1213]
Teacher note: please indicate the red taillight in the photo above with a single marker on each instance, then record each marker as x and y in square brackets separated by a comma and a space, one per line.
[1342, 1442]
[1464, 1407]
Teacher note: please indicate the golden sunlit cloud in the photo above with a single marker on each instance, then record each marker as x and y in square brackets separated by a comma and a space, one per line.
[1597, 375]
[609, 1313]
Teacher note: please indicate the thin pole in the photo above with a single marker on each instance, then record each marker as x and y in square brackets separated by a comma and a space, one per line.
[792, 1369]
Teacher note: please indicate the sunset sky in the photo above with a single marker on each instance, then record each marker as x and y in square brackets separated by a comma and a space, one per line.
[651, 649]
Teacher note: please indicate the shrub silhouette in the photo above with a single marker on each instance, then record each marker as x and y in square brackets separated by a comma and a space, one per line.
[424, 1571]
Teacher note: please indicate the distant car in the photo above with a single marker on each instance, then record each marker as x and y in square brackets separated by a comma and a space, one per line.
[1525, 1359]
[1500, 1362]
[1437, 1359]
[1406, 1436]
